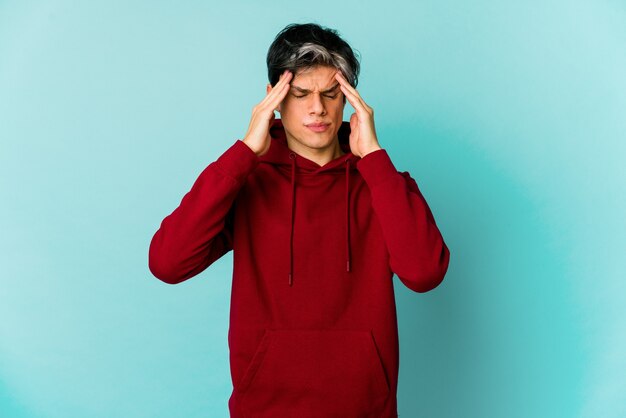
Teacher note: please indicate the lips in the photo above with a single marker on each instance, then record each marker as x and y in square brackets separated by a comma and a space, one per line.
[318, 127]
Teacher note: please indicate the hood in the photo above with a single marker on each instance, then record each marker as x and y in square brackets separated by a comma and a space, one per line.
[280, 154]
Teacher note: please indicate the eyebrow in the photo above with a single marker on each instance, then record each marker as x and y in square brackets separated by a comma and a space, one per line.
[301, 90]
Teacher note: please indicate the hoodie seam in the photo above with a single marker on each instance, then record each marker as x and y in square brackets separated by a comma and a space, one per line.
[225, 174]
[237, 162]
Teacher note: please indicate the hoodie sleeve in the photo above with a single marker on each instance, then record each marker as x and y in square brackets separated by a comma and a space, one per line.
[199, 231]
[418, 254]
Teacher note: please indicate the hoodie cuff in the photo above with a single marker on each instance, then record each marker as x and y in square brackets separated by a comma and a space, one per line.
[237, 161]
[376, 167]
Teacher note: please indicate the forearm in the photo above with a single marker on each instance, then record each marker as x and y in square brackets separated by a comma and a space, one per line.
[195, 234]
[418, 253]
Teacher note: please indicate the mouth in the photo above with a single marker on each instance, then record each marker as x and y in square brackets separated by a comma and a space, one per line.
[318, 127]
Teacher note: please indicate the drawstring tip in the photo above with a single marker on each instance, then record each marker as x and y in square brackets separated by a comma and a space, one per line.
[347, 265]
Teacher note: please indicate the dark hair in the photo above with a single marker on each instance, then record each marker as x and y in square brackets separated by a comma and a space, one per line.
[302, 46]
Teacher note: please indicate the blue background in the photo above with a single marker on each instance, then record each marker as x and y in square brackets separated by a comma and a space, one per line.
[510, 116]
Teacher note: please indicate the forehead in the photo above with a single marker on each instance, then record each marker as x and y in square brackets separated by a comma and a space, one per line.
[319, 76]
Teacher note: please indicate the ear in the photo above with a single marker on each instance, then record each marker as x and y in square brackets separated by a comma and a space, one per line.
[268, 89]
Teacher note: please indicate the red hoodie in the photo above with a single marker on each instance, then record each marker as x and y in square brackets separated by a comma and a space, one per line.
[313, 331]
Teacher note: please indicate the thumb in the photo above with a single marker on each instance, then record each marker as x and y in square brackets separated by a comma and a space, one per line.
[269, 126]
[353, 121]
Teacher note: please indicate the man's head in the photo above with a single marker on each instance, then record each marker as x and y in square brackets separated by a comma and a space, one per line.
[313, 54]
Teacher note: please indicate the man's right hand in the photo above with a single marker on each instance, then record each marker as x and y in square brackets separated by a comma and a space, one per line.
[258, 135]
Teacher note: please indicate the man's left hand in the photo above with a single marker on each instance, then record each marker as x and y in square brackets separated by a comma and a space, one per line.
[363, 138]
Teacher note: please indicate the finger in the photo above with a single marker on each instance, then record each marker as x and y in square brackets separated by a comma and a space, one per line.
[280, 96]
[361, 108]
[277, 90]
[344, 83]
[274, 90]
[283, 79]
[352, 95]
[342, 80]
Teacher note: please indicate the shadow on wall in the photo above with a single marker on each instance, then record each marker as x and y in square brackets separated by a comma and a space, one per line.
[498, 337]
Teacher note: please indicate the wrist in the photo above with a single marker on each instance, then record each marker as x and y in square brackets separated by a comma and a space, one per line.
[377, 148]
[257, 152]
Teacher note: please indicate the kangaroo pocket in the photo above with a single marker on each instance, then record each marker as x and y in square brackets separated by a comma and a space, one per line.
[314, 373]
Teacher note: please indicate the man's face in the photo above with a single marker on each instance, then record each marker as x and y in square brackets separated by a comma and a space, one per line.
[314, 97]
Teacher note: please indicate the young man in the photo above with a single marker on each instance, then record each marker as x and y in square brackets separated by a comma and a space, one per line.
[319, 220]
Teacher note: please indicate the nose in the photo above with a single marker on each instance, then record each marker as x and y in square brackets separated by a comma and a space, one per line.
[317, 104]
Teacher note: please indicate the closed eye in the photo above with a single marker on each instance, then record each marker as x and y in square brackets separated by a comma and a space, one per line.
[326, 95]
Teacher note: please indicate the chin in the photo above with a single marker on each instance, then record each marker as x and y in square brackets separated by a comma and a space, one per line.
[319, 140]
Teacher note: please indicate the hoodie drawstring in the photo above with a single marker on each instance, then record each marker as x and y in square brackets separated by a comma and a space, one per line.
[347, 215]
[293, 210]
[292, 156]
